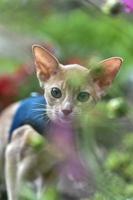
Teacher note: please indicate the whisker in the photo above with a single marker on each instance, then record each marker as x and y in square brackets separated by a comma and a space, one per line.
[38, 116]
[47, 120]
[76, 114]
[39, 104]
[41, 118]
[44, 107]
[39, 113]
[37, 109]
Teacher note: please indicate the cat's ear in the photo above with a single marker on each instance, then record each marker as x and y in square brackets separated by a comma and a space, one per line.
[104, 74]
[46, 64]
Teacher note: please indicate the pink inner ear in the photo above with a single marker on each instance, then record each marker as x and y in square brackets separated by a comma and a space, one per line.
[44, 72]
[46, 63]
[110, 68]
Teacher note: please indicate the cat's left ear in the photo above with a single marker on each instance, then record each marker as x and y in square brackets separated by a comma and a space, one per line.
[46, 63]
[105, 73]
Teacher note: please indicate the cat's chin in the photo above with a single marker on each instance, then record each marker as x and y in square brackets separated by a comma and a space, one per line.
[63, 120]
[58, 119]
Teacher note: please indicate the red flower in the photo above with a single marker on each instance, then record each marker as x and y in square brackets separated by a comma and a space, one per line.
[8, 90]
[8, 87]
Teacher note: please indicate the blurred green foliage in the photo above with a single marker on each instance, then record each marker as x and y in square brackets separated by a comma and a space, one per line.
[86, 35]
[77, 33]
[117, 107]
[8, 65]
[119, 162]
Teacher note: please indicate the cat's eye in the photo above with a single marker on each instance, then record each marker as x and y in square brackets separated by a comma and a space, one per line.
[56, 92]
[83, 96]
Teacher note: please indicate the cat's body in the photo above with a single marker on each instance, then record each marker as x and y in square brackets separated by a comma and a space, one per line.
[68, 90]
[29, 112]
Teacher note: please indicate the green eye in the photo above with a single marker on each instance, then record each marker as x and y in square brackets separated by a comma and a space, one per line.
[56, 92]
[83, 96]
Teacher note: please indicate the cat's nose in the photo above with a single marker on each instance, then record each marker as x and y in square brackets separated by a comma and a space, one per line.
[66, 111]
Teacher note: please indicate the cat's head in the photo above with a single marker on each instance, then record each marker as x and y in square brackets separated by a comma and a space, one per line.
[71, 89]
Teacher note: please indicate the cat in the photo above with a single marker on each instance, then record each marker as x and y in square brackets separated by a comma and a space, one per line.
[69, 91]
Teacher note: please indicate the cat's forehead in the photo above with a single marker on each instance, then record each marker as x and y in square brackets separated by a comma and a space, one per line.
[74, 70]
[73, 75]
[73, 67]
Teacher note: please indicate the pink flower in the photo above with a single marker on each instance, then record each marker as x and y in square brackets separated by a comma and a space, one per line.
[73, 171]
[128, 4]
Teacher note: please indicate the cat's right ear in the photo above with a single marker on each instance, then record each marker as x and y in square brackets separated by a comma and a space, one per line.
[46, 64]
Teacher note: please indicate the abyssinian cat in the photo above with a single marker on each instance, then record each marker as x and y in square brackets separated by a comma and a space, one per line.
[69, 90]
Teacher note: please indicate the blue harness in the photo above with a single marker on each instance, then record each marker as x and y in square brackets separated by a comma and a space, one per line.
[32, 111]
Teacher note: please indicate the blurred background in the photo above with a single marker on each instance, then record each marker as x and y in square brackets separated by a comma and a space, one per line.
[77, 32]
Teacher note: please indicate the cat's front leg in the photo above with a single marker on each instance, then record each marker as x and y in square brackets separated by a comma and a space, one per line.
[11, 156]
[18, 160]
[27, 157]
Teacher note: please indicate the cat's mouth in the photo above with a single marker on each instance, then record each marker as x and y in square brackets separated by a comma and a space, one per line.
[59, 117]
[66, 119]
